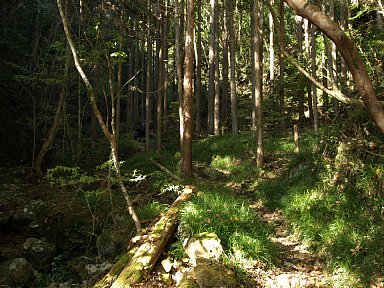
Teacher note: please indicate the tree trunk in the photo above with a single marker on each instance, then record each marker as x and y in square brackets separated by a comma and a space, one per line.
[232, 60]
[198, 70]
[186, 162]
[256, 87]
[55, 123]
[333, 58]
[299, 28]
[216, 106]
[349, 52]
[111, 137]
[160, 80]
[212, 61]
[314, 70]
[283, 123]
[225, 66]
[133, 266]
[179, 70]
[148, 82]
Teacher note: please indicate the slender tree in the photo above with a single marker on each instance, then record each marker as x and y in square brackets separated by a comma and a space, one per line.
[282, 72]
[179, 71]
[186, 165]
[216, 105]
[148, 80]
[314, 71]
[225, 67]
[256, 82]
[232, 61]
[198, 70]
[212, 61]
[104, 127]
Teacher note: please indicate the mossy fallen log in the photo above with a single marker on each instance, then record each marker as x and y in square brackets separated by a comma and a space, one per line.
[150, 249]
[116, 269]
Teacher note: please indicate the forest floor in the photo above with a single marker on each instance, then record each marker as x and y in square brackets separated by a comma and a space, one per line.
[280, 211]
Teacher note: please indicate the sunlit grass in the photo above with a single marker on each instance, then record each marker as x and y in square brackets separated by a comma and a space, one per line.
[340, 218]
[151, 210]
[219, 210]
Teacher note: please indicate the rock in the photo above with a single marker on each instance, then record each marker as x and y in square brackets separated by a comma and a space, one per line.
[209, 275]
[167, 265]
[203, 246]
[95, 269]
[82, 269]
[17, 272]
[39, 252]
[109, 243]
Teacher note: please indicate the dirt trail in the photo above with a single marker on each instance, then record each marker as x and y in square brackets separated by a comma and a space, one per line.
[297, 267]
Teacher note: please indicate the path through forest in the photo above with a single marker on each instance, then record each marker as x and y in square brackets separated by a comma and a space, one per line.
[298, 267]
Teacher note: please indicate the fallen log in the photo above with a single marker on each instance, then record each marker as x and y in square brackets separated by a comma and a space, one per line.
[150, 249]
[116, 269]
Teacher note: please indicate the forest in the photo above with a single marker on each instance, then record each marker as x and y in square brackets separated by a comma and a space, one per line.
[189, 143]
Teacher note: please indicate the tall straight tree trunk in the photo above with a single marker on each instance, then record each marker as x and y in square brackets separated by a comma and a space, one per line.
[334, 60]
[344, 26]
[254, 36]
[349, 52]
[160, 80]
[271, 49]
[314, 70]
[232, 60]
[179, 69]
[225, 67]
[283, 123]
[256, 83]
[165, 66]
[299, 28]
[216, 106]
[198, 70]
[148, 81]
[307, 45]
[111, 137]
[212, 61]
[186, 165]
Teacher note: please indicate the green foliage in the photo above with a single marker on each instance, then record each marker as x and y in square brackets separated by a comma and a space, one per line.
[63, 175]
[332, 195]
[219, 210]
[151, 210]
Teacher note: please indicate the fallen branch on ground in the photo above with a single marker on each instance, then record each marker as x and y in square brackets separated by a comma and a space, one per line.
[146, 253]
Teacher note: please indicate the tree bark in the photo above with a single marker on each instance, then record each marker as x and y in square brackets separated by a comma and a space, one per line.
[225, 67]
[148, 82]
[314, 70]
[349, 52]
[216, 106]
[186, 162]
[232, 60]
[212, 61]
[198, 70]
[179, 70]
[160, 81]
[283, 123]
[142, 258]
[299, 28]
[256, 87]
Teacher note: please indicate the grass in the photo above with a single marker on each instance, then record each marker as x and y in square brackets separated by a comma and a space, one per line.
[333, 201]
[218, 209]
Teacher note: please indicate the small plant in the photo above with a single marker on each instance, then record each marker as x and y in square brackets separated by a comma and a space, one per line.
[152, 210]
